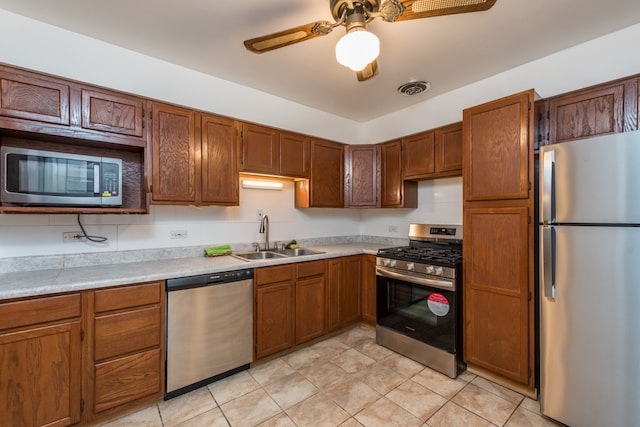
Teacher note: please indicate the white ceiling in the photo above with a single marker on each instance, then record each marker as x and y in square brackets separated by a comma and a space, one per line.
[449, 51]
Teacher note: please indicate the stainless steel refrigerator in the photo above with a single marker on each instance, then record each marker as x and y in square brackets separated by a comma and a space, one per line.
[590, 281]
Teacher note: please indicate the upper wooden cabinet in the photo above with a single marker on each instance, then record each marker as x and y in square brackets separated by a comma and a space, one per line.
[219, 160]
[610, 107]
[394, 191]
[34, 97]
[174, 154]
[496, 160]
[433, 154]
[273, 152]
[294, 155]
[325, 187]
[362, 177]
[40, 104]
[194, 157]
[260, 149]
[112, 112]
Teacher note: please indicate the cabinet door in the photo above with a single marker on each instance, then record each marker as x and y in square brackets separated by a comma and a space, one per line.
[333, 301]
[418, 155]
[310, 310]
[327, 174]
[394, 191]
[496, 149]
[40, 376]
[260, 149]
[220, 176]
[351, 286]
[362, 178]
[369, 289]
[175, 152]
[112, 112]
[586, 113]
[274, 318]
[498, 308]
[29, 96]
[448, 141]
[294, 155]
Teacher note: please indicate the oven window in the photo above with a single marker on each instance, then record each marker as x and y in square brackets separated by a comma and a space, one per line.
[420, 312]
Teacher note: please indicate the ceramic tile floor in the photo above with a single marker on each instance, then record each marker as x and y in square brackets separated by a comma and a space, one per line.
[347, 381]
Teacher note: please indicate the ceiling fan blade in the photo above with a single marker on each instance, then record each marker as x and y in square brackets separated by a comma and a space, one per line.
[416, 9]
[288, 37]
[368, 72]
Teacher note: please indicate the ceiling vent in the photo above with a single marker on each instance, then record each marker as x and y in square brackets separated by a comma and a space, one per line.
[414, 88]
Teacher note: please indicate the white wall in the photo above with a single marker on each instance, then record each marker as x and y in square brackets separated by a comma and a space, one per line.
[440, 201]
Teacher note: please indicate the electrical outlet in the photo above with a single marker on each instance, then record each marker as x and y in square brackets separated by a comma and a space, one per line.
[259, 214]
[393, 229]
[71, 236]
[179, 234]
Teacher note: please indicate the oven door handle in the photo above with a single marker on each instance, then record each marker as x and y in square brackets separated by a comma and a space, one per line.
[408, 277]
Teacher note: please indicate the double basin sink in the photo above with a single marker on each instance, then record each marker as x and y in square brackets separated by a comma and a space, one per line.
[275, 253]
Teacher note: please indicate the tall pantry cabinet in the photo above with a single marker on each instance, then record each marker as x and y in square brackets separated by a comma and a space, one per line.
[498, 238]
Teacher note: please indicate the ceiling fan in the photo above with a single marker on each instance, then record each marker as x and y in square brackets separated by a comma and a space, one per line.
[358, 48]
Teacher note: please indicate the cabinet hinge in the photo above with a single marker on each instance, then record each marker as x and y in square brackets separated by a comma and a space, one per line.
[530, 295]
[81, 334]
[151, 115]
[81, 405]
[529, 185]
[529, 219]
[143, 118]
[529, 105]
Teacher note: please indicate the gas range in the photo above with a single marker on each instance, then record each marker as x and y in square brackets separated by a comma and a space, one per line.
[419, 298]
[434, 250]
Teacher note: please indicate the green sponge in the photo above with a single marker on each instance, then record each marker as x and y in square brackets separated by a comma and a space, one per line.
[218, 250]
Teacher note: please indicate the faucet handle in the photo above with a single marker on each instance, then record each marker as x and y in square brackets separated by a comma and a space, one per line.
[256, 246]
[275, 245]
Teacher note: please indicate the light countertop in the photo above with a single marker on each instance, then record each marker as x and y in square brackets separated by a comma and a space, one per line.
[52, 281]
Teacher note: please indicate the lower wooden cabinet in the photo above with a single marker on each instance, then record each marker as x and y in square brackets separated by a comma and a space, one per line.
[76, 357]
[128, 336]
[310, 301]
[343, 291]
[274, 309]
[40, 361]
[369, 289]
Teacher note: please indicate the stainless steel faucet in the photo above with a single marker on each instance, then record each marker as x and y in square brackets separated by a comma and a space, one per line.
[264, 228]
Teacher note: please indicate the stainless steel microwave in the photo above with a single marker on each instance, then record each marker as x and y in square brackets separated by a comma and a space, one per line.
[36, 177]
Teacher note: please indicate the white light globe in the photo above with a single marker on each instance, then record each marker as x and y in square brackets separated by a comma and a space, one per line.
[357, 49]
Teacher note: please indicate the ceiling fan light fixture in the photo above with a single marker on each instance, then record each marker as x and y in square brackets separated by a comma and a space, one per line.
[357, 49]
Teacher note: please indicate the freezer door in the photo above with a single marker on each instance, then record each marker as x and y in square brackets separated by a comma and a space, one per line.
[593, 180]
[590, 341]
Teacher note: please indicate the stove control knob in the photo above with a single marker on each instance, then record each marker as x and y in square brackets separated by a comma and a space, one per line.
[411, 266]
[439, 271]
[392, 263]
[429, 269]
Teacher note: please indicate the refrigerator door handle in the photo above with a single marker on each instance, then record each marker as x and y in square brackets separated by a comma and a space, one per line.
[548, 265]
[547, 192]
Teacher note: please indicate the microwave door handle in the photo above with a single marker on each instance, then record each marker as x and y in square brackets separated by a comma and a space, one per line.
[96, 178]
[547, 194]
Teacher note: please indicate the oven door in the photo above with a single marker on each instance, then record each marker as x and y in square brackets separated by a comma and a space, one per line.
[421, 308]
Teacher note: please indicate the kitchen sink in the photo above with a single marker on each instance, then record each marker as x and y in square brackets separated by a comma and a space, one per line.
[276, 253]
[259, 255]
[298, 252]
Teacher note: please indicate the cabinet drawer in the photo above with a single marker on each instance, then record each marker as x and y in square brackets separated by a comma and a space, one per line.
[126, 379]
[122, 333]
[39, 310]
[127, 296]
[310, 268]
[273, 274]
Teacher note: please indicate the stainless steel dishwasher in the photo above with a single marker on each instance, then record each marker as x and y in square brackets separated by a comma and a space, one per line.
[209, 329]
